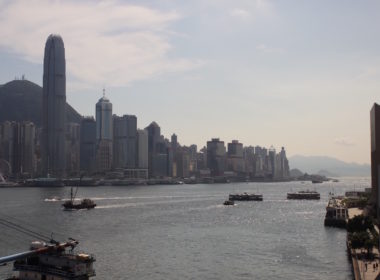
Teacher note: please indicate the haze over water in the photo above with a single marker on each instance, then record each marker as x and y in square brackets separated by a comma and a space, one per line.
[184, 232]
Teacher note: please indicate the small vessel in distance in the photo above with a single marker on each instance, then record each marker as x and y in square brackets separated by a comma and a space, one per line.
[229, 202]
[246, 197]
[317, 181]
[84, 204]
[304, 195]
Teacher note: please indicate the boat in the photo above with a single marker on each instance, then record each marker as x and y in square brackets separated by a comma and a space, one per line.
[229, 202]
[336, 213]
[246, 197]
[316, 181]
[7, 184]
[304, 195]
[44, 182]
[52, 260]
[84, 204]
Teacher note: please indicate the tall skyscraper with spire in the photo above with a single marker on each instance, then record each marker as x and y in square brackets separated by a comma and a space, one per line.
[54, 107]
[104, 134]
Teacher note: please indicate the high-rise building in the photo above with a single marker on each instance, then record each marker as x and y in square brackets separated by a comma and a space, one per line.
[104, 134]
[235, 157]
[72, 149]
[53, 109]
[28, 142]
[17, 146]
[154, 137]
[216, 157]
[142, 149]
[124, 141]
[375, 155]
[88, 145]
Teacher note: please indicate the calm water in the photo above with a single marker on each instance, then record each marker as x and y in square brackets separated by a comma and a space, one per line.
[183, 231]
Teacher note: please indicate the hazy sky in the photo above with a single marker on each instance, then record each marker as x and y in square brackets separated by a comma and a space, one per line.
[299, 74]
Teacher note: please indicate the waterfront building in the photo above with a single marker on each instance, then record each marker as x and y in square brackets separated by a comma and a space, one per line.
[235, 159]
[53, 108]
[142, 149]
[28, 144]
[154, 137]
[249, 160]
[88, 145]
[375, 155]
[17, 147]
[124, 141]
[216, 157]
[193, 151]
[182, 162]
[104, 134]
[272, 162]
[72, 149]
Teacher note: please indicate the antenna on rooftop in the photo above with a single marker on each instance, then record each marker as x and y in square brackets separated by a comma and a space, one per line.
[104, 92]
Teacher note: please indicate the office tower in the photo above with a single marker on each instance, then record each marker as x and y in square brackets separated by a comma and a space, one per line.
[154, 137]
[72, 149]
[142, 149]
[235, 157]
[28, 142]
[283, 164]
[18, 146]
[53, 110]
[375, 155]
[183, 162]
[104, 134]
[88, 145]
[216, 157]
[124, 141]
[193, 150]
[272, 162]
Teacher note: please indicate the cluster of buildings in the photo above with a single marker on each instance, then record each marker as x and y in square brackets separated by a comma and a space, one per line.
[112, 146]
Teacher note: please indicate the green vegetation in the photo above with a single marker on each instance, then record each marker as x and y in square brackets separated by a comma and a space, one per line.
[362, 233]
[359, 202]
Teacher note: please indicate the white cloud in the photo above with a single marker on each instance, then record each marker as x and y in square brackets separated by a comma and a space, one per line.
[344, 141]
[241, 14]
[266, 49]
[106, 42]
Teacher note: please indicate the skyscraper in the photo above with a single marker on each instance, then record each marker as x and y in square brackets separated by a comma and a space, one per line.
[124, 141]
[104, 134]
[87, 144]
[53, 110]
[216, 156]
[375, 155]
[142, 149]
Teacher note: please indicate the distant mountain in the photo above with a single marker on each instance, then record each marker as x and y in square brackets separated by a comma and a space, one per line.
[328, 166]
[22, 100]
[295, 173]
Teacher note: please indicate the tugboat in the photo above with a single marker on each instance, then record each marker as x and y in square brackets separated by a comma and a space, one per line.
[304, 195]
[51, 261]
[246, 197]
[229, 202]
[84, 204]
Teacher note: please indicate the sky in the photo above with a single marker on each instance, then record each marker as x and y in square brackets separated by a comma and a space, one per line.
[298, 74]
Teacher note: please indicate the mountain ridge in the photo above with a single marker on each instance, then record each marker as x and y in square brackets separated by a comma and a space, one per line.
[21, 100]
[328, 164]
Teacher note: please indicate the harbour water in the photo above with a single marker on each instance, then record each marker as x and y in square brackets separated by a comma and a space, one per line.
[184, 231]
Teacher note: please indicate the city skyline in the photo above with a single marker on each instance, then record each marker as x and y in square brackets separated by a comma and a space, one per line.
[301, 76]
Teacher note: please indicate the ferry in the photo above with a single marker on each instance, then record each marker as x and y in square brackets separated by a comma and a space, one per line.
[51, 261]
[304, 195]
[246, 197]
